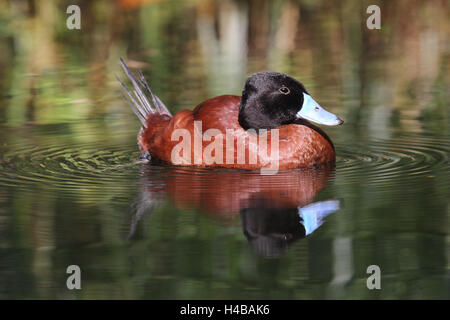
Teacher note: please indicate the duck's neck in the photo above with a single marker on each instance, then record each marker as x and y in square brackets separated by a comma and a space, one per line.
[253, 116]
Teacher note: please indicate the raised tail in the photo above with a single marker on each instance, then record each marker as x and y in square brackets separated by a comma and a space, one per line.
[141, 105]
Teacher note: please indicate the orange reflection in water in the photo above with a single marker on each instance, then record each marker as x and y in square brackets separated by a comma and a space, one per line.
[275, 210]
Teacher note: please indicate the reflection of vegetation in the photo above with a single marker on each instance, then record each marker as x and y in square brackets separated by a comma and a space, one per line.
[58, 89]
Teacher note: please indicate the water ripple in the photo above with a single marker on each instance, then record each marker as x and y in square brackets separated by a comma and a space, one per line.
[390, 162]
[66, 167]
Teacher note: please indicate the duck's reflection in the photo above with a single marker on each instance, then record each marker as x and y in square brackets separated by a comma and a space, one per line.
[271, 230]
[275, 210]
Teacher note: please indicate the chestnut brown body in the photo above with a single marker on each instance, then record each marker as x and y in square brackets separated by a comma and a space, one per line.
[299, 144]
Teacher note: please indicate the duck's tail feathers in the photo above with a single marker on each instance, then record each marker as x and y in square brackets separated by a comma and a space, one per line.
[137, 99]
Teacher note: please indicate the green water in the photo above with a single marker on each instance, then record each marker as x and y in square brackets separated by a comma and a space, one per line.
[72, 191]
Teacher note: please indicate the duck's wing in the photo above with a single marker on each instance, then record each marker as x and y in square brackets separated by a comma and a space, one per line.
[141, 105]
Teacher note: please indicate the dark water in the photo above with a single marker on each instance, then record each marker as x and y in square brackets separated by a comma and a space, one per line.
[73, 192]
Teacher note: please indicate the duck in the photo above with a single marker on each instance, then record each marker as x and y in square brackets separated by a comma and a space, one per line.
[267, 127]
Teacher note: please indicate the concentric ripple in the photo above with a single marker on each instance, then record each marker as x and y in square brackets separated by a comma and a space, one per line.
[66, 167]
[391, 162]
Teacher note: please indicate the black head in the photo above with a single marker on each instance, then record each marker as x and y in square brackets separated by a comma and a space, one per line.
[272, 99]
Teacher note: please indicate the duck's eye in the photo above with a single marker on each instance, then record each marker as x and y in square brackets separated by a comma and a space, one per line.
[284, 90]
